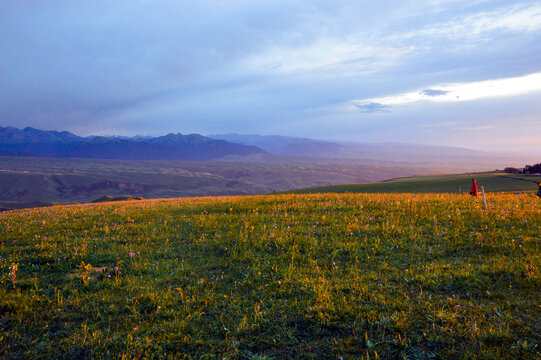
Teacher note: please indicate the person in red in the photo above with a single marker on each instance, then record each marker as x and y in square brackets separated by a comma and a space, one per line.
[473, 191]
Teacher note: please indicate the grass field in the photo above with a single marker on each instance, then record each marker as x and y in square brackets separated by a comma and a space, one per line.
[333, 276]
[447, 183]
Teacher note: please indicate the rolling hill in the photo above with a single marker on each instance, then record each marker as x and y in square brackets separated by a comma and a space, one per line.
[447, 183]
[331, 276]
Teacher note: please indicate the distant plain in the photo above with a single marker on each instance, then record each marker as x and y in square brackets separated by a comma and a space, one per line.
[29, 182]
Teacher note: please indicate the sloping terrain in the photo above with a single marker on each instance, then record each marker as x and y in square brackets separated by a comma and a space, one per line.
[352, 276]
[448, 183]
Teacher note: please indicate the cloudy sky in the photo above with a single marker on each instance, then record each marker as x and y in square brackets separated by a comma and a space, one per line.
[450, 72]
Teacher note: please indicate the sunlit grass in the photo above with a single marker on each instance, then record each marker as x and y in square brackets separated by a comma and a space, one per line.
[274, 277]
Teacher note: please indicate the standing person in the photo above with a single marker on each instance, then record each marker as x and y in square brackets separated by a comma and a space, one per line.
[539, 190]
[473, 191]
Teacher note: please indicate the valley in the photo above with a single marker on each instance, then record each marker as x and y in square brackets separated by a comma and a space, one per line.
[27, 181]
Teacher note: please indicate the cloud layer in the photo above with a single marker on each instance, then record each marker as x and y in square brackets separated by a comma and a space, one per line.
[355, 70]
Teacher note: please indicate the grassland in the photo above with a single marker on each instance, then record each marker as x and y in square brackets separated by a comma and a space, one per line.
[332, 276]
[446, 183]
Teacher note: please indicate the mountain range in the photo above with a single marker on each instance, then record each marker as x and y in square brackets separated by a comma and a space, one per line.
[388, 151]
[32, 142]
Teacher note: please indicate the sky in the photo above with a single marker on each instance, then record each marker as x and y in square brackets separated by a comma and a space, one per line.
[444, 72]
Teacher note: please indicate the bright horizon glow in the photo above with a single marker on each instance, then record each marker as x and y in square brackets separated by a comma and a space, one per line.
[463, 91]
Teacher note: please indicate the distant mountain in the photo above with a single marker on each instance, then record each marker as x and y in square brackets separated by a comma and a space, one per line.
[388, 151]
[212, 148]
[283, 145]
[420, 152]
[414, 148]
[54, 144]
[11, 135]
[292, 146]
[134, 138]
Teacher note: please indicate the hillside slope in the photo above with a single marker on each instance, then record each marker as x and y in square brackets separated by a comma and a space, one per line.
[274, 277]
[449, 183]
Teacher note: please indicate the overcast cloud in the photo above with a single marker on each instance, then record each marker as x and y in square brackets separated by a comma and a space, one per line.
[450, 72]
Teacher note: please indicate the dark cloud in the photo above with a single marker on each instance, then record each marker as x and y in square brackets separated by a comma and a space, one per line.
[372, 107]
[434, 92]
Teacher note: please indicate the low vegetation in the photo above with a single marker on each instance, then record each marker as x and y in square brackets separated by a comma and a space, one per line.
[333, 276]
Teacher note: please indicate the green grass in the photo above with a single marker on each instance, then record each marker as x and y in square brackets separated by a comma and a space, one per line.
[329, 276]
[454, 183]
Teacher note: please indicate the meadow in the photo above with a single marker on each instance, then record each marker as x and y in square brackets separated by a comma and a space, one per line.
[327, 276]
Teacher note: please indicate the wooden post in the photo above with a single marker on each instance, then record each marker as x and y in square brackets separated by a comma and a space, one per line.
[484, 198]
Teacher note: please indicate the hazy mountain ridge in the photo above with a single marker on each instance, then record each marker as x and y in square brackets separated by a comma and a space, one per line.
[283, 145]
[11, 135]
[386, 151]
[31, 142]
[54, 144]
